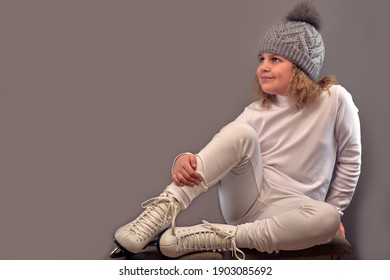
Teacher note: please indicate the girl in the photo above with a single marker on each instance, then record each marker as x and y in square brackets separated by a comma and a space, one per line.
[287, 167]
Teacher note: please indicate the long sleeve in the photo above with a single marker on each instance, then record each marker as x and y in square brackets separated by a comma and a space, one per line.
[348, 157]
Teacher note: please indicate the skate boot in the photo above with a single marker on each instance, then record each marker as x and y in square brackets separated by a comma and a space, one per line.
[203, 237]
[160, 213]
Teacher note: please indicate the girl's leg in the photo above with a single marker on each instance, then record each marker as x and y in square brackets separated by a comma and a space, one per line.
[295, 223]
[292, 223]
[275, 220]
[235, 148]
[232, 159]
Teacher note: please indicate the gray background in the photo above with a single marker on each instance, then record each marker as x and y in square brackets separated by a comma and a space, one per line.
[97, 97]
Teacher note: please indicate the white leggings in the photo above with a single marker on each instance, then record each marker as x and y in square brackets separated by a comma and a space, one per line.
[268, 219]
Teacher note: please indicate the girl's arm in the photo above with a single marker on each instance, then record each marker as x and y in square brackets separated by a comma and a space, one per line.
[348, 159]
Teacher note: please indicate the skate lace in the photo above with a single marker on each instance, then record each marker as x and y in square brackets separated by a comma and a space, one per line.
[158, 212]
[212, 238]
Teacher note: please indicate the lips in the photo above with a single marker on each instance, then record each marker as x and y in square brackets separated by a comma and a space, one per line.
[266, 78]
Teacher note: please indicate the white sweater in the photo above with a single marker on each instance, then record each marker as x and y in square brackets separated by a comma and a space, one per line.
[315, 151]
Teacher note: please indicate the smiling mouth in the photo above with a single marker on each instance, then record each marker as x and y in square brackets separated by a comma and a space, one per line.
[266, 78]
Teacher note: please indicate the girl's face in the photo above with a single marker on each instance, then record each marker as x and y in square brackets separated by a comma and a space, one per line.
[274, 73]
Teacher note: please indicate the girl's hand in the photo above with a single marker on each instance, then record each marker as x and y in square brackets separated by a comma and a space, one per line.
[342, 229]
[184, 171]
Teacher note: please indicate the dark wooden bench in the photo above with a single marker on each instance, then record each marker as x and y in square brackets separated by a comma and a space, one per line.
[338, 248]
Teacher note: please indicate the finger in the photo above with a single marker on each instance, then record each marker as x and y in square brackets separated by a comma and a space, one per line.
[191, 177]
[177, 181]
[184, 180]
[194, 177]
[194, 165]
[198, 177]
[190, 174]
[193, 161]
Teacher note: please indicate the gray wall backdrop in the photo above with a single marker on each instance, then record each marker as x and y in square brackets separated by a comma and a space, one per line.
[97, 97]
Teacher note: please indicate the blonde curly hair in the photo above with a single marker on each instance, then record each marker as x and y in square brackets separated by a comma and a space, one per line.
[305, 90]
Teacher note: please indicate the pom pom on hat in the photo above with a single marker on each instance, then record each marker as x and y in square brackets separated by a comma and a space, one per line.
[297, 39]
[307, 13]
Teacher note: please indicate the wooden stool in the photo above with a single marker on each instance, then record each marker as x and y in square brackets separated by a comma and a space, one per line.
[336, 249]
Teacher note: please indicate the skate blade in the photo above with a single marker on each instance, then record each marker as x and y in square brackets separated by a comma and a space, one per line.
[120, 253]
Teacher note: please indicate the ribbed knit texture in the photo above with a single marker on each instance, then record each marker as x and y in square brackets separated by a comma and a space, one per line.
[299, 42]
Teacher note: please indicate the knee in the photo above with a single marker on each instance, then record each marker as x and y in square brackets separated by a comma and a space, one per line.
[240, 130]
[325, 221]
[331, 218]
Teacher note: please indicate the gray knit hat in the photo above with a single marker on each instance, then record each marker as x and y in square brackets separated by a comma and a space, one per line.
[297, 39]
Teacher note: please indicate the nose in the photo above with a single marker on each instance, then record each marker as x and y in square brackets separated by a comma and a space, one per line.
[264, 66]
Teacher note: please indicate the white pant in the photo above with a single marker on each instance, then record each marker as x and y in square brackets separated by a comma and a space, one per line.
[268, 219]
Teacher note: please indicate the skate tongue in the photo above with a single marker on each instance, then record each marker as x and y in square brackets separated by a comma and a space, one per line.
[167, 205]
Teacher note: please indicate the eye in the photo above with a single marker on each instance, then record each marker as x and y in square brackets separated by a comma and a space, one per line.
[261, 58]
[276, 59]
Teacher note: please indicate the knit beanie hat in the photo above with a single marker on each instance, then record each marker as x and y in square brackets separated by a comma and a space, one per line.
[297, 39]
